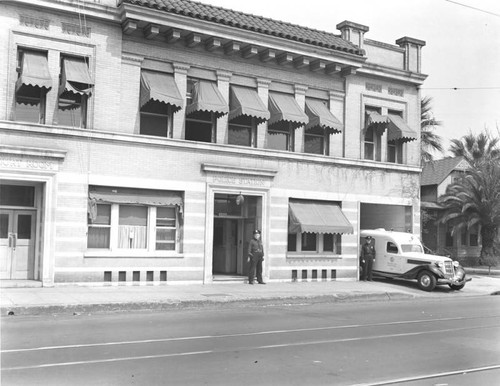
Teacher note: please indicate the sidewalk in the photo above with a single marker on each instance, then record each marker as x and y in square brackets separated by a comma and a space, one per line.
[82, 299]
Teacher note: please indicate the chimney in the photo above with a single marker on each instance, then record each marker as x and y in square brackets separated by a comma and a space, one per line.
[413, 48]
[353, 32]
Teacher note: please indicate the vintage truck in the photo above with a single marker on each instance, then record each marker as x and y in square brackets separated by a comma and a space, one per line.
[401, 255]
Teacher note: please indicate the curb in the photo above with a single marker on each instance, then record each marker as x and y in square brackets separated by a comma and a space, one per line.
[77, 309]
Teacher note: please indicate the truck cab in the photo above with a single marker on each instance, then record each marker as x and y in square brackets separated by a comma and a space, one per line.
[401, 255]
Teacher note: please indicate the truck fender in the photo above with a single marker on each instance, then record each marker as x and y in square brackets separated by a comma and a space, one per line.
[413, 273]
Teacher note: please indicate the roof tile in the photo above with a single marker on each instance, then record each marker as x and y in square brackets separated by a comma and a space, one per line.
[250, 22]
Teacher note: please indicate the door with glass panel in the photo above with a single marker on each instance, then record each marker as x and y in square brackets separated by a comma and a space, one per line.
[17, 244]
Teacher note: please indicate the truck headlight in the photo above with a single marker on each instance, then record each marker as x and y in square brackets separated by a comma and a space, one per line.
[456, 263]
[440, 264]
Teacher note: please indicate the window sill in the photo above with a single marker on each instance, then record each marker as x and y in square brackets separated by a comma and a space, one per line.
[126, 253]
[312, 256]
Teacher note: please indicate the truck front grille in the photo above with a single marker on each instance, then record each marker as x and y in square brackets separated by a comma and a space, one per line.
[448, 269]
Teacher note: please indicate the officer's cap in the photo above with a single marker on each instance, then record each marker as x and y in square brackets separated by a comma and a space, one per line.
[256, 232]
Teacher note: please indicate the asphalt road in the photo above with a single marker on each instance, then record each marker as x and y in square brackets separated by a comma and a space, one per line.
[422, 342]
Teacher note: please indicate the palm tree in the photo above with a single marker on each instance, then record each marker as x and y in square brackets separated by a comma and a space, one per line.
[429, 140]
[474, 200]
[477, 149]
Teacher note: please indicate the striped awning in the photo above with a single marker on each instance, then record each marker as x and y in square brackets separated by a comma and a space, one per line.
[284, 108]
[320, 116]
[379, 120]
[399, 130]
[207, 97]
[246, 101]
[75, 77]
[34, 71]
[317, 217]
[160, 87]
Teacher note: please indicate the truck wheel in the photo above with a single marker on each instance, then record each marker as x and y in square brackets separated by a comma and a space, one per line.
[457, 287]
[426, 281]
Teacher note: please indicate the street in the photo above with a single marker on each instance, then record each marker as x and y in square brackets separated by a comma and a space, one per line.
[420, 342]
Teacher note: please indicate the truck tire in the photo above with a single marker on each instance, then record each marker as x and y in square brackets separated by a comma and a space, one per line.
[426, 281]
[457, 287]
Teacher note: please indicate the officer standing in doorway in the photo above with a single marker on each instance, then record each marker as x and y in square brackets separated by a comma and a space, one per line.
[255, 258]
[367, 258]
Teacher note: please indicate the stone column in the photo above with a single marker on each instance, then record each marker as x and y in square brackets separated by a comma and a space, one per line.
[383, 140]
[300, 97]
[337, 102]
[180, 76]
[263, 91]
[130, 118]
[54, 62]
[223, 79]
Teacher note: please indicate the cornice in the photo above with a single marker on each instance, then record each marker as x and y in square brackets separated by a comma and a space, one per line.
[392, 73]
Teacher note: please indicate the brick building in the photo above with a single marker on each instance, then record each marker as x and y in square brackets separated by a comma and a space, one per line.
[143, 142]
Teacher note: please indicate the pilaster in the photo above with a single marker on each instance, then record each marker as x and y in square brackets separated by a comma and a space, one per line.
[223, 79]
[337, 102]
[180, 76]
[129, 97]
[263, 91]
[300, 97]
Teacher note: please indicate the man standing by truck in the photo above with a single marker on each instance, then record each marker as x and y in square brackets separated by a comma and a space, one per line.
[367, 258]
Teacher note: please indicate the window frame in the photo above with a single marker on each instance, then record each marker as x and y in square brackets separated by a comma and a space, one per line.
[325, 140]
[42, 100]
[395, 145]
[376, 143]
[319, 250]
[168, 116]
[189, 120]
[278, 127]
[151, 228]
[252, 127]
[84, 98]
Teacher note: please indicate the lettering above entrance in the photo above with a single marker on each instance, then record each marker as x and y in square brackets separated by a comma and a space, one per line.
[17, 157]
[236, 176]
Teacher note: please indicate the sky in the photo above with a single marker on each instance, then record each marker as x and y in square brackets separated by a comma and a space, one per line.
[462, 47]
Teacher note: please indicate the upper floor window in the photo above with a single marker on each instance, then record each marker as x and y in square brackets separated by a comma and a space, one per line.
[75, 87]
[395, 146]
[322, 124]
[373, 135]
[316, 141]
[281, 136]
[159, 99]
[242, 131]
[204, 104]
[32, 85]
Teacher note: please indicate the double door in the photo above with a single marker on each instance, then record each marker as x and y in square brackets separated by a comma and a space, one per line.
[17, 244]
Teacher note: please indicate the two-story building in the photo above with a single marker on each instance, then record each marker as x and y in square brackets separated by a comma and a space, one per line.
[143, 141]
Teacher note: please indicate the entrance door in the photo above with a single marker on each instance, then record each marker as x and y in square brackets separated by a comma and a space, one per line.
[17, 244]
[225, 253]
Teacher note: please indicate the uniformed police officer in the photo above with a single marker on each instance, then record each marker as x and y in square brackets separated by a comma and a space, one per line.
[367, 258]
[255, 258]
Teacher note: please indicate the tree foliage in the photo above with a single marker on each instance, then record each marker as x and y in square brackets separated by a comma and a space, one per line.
[477, 149]
[474, 200]
[430, 142]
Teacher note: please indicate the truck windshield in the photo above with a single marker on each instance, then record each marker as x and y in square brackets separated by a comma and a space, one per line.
[411, 248]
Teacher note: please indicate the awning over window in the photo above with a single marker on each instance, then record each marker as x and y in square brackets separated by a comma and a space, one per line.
[246, 101]
[136, 197]
[377, 120]
[75, 77]
[34, 71]
[317, 217]
[207, 97]
[161, 88]
[320, 116]
[284, 107]
[399, 130]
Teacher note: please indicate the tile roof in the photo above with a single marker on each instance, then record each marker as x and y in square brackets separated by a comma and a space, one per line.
[435, 172]
[249, 22]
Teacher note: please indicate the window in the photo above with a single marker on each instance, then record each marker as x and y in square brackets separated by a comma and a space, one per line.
[316, 141]
[392, 248]
[372, 137]
[135, 227]
[315, 242]
[280, 136]
[411, 248]
[75, 87]
[242, 131]
[156, 120]
[200, 125]
[99, 229]
[32, 85]
[225, 205]
[395, 147]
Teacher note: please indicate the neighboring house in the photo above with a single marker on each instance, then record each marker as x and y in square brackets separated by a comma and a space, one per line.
[144, 141]
[436, 176]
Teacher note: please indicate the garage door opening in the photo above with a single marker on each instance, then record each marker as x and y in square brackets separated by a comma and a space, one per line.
[390, 217]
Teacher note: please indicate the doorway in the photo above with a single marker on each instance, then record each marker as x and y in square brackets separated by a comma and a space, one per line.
[17, 244]
[235, 218]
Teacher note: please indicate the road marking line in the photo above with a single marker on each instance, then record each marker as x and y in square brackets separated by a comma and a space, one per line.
[429, 376]
[242, 334]
[329, 341]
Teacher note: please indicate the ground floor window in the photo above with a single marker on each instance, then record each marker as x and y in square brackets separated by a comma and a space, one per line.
[315, 242]
[141, 225]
